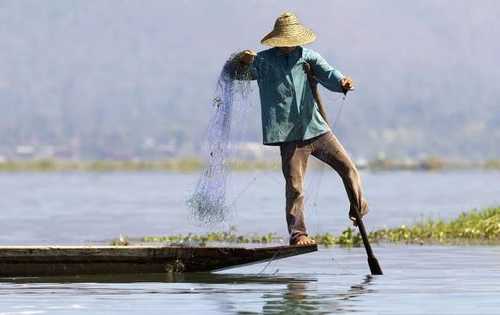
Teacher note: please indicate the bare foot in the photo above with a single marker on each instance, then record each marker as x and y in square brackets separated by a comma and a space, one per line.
[303, 240]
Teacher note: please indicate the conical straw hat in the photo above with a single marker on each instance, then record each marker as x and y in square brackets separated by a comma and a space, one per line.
[288, 32]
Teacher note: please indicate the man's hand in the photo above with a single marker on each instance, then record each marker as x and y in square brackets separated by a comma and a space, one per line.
[363, 211]
[347, 84]
[247, 56]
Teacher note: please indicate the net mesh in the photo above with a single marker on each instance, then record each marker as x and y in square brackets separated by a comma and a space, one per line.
[231, 101]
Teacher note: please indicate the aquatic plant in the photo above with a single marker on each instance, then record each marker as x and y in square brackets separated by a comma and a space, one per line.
[120, 241]
[472, 227]
[224, 237]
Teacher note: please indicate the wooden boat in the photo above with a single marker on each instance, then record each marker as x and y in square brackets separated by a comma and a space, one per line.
[25, 261]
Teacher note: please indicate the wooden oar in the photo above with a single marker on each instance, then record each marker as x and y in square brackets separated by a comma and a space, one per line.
[372, 260]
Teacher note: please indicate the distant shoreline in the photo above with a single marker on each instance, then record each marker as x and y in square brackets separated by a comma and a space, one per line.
[194, 165]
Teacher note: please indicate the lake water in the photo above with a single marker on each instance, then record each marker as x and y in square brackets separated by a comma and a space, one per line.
[86, 208]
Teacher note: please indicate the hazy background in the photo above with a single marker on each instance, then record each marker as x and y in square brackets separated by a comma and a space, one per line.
[121, 79]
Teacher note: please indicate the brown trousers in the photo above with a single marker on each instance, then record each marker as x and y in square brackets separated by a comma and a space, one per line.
[294, 156]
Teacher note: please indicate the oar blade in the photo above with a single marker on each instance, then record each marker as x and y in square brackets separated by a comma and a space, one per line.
[374, 266]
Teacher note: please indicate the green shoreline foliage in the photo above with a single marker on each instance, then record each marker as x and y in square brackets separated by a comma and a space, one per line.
[51, 165]
[194, 164]
[175, 165]
[469, 228]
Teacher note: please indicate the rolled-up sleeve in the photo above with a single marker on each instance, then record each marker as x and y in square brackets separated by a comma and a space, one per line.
[326, 74]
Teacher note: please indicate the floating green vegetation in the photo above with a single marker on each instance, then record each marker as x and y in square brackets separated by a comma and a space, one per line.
[347, 238]
[222, 237]
[481, 227]
[472, 227]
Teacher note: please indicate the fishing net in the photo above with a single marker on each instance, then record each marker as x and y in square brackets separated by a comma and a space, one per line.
[208, 203]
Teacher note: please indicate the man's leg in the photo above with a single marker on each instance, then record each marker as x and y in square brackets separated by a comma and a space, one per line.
[294, 157]
[328, 149]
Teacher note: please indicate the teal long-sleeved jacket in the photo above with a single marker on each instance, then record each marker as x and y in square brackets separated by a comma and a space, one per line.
[288, 109]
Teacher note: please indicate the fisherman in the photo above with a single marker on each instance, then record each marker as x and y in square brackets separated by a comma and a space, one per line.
[286, 75]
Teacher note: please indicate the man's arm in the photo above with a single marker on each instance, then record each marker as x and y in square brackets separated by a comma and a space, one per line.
[329, 77]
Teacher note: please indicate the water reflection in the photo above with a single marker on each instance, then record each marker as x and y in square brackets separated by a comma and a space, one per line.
[303, 298]
[194, 277]
[276, 294]
[296, 299]
[359, 289]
